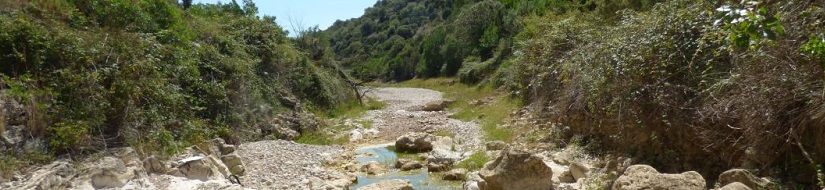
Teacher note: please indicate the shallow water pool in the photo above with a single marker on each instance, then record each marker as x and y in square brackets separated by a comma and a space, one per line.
[420, 178]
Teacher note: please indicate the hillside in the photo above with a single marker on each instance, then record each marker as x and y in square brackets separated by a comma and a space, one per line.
[682, 85]
[79, 77]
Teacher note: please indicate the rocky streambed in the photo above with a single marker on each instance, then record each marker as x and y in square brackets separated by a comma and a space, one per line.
[408, 125]
[418, 176]
[411, 144]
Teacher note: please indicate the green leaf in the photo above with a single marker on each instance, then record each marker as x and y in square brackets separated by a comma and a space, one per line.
[780, 30]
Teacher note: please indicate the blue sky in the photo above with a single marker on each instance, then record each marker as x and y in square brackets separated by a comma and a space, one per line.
[308, 12]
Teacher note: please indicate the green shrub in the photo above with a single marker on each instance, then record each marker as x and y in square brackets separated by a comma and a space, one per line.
[475, 161]
[473, 71]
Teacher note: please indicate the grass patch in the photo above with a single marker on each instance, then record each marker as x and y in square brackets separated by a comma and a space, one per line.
[475, 161]
[349, 109]
[366, 124]
[331, 135]
[443, 133]
[489, 115]
[8, 165]
[352, 108]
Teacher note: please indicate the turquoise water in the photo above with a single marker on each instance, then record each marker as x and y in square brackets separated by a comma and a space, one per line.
[420, 179]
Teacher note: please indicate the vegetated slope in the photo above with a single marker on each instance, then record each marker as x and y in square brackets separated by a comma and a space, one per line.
[685, 88]
[683, 85]
[402, 39]
[81, 76]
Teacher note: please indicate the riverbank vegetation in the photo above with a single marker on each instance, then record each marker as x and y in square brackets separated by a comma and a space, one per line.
[681, 85]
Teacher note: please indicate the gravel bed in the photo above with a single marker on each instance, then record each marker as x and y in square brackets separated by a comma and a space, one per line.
[403, 115]
[282, 164]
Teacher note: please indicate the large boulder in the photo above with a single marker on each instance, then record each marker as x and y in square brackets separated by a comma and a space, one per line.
[56, 175]
[415, 142]
[202, 168]
[118, 168]
[395, 184]
[742, 176]
[735, 186]
[515, 169]
[639, 177]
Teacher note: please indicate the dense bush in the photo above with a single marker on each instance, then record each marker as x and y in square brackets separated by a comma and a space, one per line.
[109, 73]
[669, 86]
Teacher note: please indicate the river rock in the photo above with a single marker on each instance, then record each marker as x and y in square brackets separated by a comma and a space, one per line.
[415, 142]
[444, 156]
[395, 184]
[227, 149]
[436, 105]
[111, 172]
[622, 163]
[371, 133]
[735, 186]
[211, 147]
[355, 135]
[515, 169]
[202, 168]
[153, 165]
[471, 185]
[234, 163]
[567, 177]
[578, 170]
[372, 168]
[495, 145]
[407, 164]
[639, 177]
[401, 161]
[56, 175]
[438, 167]
[742, 176]
[338, 184]
[350, 167]
[459, 174]
[562, 158]
[411, 166]
[442, 142]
